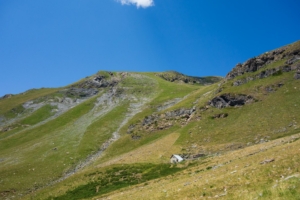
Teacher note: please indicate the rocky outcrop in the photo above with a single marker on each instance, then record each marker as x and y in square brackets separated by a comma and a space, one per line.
[101, 81]
[266, 73]
[7, 96]
[79, 92]
[297, 74]
[229, 100]
[254, 64]
[174, 76]
[91, 85]
[257, 63]
[273, 88]
[163, 121]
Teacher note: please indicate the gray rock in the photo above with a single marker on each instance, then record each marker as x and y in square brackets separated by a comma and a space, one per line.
[293, 60]
[136, 137]
[254, 64]
[198, 155]
[273, 88]
[229, 100]
[297, 75]
[285, 68]
[79, 92]
[239, 82]
[7, 96]
[160, 122]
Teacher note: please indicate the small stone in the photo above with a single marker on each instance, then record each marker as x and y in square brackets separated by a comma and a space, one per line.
[187, 183]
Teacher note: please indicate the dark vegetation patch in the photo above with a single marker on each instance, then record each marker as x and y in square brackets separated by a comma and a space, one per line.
[273, 87]
[14, 112]
[116, 177]
[221, 115]
[79, 92]
[38, 116]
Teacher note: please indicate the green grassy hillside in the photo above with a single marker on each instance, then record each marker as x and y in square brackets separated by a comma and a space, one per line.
[111, 136]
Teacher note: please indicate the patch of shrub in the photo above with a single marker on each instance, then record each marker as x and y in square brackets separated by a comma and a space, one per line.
[118, 177]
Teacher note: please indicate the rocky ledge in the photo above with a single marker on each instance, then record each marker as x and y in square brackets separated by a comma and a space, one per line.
[162, 121]
[230, 100]
[7, 96]
[173, 76]
[101, 80]
[254, 64]
[270, 72]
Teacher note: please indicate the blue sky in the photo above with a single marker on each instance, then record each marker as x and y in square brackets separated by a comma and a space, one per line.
[52, 43]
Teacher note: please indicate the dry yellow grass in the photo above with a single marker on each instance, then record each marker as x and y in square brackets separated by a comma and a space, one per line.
[235, 175]
[155, 152]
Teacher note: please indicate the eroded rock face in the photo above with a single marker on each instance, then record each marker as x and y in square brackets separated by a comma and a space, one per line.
[161, 121]
[273, 88]
[79, 92]
[254, 64]
[229, 100]
[174, 76]
[264, 74]
[101, 81]
[297, 74]
[7, 96]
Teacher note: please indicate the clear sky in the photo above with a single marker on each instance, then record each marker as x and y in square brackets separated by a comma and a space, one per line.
[52, 43]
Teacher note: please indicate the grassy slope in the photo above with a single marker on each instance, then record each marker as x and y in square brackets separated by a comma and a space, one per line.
[234, 175]
[274, 115]
[39, 115]
[163, 91]
[27, 158]
[268, 118]
[166, 91]
[35, 157]
[7, 104]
